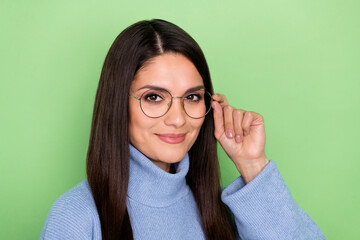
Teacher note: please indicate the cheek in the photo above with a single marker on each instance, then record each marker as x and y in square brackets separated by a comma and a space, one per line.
[196, 126]
[135, 122]
[139, 125]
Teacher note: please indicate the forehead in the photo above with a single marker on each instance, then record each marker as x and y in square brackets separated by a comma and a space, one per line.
[172, 71]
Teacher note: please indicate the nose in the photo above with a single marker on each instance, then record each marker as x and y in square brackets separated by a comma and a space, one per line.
[176, 115]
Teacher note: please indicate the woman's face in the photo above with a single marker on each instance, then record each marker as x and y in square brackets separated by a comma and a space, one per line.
[166, 139]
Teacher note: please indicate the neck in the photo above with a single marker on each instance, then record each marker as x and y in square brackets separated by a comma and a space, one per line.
[167, 167]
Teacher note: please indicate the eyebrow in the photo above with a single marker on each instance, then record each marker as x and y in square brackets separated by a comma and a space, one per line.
[164, 89]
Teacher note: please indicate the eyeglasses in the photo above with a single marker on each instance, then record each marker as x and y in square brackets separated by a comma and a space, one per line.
[155, 103]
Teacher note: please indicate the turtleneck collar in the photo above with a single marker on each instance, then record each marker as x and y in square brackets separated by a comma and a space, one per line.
[151, 185]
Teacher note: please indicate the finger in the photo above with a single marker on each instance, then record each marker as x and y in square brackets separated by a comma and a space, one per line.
[238, 116]
[228, 121]
[248, 119]
[221, 99]
[218, 119]
[247, 122]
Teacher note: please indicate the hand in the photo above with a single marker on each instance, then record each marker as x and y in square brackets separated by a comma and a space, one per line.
[242, 136]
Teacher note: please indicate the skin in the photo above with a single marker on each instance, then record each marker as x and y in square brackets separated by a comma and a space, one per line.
[242, 136]
[240, 133]
[177, 74]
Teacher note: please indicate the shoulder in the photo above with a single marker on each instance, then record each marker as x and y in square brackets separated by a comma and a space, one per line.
[77, 198]
[77, 201]
[73, 214]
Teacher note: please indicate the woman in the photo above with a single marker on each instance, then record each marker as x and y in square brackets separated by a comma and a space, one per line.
[152, 167]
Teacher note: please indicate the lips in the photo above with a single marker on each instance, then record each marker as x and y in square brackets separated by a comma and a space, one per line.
[172, 138]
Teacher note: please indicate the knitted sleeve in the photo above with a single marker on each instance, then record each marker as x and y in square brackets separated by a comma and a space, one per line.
[265, 209]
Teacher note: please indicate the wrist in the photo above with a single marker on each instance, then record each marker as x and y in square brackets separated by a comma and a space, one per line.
[249, 169]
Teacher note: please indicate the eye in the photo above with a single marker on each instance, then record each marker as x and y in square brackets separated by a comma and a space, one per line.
[194, 97]
[153, 98]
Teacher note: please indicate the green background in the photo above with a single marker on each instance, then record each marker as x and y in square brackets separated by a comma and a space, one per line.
[297, 63]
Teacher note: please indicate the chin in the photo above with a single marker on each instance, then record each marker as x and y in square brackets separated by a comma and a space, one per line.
[157, 150]
[171, 155]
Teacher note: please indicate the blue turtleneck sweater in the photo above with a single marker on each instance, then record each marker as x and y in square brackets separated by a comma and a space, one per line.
[161, 206]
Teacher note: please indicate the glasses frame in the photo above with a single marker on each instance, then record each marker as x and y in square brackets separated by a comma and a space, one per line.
[171, 102]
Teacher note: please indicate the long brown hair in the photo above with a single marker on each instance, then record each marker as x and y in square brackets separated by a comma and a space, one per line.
[108, 152]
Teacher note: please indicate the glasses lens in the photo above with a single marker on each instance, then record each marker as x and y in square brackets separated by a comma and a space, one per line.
[197, 104]
[155, 103]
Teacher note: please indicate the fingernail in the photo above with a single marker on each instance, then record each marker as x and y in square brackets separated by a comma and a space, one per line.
[230, 133]
[238, 138]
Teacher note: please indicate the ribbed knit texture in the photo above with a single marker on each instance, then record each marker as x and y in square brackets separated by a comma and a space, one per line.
[161, 206]
[265, 209]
